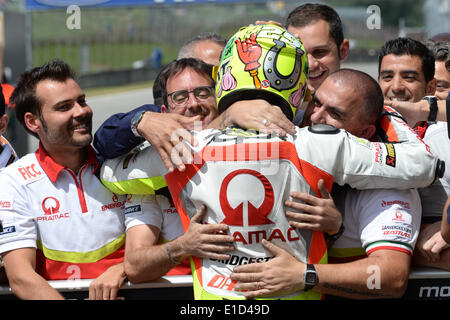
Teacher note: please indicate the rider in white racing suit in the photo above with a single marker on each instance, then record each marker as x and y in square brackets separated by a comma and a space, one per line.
[244, 177]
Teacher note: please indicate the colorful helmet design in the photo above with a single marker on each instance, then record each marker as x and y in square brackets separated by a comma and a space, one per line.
[263, 62]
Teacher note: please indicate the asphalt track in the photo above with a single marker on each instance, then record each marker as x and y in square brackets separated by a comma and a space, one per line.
[107, 105]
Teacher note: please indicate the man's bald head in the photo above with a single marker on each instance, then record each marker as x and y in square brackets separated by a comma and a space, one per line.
[362, 84]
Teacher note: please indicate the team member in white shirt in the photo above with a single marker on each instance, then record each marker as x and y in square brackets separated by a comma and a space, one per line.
[59, 222]
[207, 179]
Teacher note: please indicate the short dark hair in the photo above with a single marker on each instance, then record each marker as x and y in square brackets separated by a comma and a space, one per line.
[179, 65]
[311, 12]
[441, 52]
[24, 98]
[367, 88]
[157, 90]
[187, 49]
[408, 46]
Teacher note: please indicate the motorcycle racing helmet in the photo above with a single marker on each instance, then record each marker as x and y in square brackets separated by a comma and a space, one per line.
[263, 62]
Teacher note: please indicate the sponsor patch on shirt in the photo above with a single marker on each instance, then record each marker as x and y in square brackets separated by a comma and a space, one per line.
[30, 173]
[7, 230]
[399, 227]
[397, 231]
[133, 209]
[404, 204]
[6, 203]
[390, 157]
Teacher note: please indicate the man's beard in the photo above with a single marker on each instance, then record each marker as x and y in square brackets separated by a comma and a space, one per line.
[65, 138]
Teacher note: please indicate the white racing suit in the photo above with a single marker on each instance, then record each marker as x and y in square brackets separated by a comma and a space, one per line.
[244, 179]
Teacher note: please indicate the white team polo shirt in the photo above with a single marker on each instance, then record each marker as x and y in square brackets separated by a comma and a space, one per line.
[76, 224]
[159, 211]
[378, 219]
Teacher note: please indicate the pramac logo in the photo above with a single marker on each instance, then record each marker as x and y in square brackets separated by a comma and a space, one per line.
[398, 216]
[256, 216]
[50, 205]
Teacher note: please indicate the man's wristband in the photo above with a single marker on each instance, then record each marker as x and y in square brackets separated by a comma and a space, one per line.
[432, 102]
[335, 236]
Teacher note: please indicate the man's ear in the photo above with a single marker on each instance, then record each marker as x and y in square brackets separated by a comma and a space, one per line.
[3, 123]
[164, 109]
[32, 122]
[368, 132]
[344, 49]
[431, 87]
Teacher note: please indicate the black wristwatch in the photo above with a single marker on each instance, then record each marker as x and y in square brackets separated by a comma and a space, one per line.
[310, 278]
[335, 236]
[135, 122]
[432, 101]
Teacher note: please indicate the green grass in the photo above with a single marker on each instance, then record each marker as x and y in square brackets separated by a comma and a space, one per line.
[102, 55]
[117, 37]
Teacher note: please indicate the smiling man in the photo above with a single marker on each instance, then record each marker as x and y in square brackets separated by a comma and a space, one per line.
[319, 27]
[407, 73]
[406, 70]
[350, 100]
[190, 90]
[59, 221]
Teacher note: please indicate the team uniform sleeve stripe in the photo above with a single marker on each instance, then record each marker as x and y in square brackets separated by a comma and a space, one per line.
[83, 257]
[407, 251]
[391, 245]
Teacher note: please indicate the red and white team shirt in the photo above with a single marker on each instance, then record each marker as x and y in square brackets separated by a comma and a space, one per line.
[378, 219]
[76, 224]
[159, 211]
[244, 179]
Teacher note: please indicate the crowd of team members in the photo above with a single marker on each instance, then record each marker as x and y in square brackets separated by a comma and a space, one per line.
[131, 229]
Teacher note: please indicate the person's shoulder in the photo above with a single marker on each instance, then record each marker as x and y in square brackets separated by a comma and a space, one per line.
[23, 170]
[436, 129]
[385, 197]
[149, 107]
